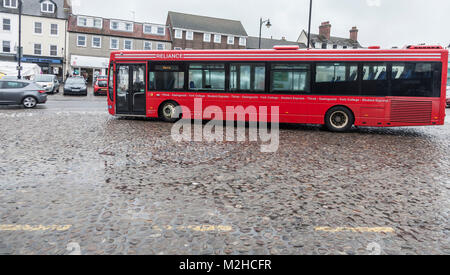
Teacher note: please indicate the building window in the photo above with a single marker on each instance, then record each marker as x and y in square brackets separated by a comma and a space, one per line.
[217, 38]
[178, 34]
[179, 49]
[96, 42]
[37, 28]
[324, 45]
[47, 7]
[53, 50]
[10, 4]
[242, 41]
[6, 24]
[37, 49]
[207, 37]
[82, 21]
[189, 35]
[114, 44]
[161, 47]
[81, 40]
[148, 29]
[54, 29]
[6, 46]
[335, 46]
[114, 25]
[127, 45]
[147, 46]
[129, 27]
[98, 23]
[230, 40]
[161, 30]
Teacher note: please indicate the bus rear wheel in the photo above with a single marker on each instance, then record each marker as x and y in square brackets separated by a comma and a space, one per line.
[339, 119]
[169, 111]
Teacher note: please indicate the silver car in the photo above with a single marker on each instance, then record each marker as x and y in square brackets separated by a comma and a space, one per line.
[49, 82]
[21, 92]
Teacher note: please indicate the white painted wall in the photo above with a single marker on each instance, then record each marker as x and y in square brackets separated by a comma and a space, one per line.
[13, 34]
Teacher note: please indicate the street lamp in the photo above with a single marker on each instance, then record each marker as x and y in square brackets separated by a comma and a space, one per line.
[19, 50]
[268, 25]
[309, 25]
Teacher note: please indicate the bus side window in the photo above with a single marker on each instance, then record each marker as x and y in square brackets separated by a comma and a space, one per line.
[412, 79]
[374, 82]
[337, 79]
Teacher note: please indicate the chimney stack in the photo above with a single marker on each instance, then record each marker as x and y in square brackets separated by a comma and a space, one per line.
[354, 34]
[325, 30]
[283, 38]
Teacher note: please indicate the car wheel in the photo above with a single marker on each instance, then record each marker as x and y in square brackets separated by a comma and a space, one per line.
[339, 119]
[29, 102]
[168, 111]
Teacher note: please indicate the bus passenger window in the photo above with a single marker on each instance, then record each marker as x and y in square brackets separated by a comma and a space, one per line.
[412, 79]
[336, 79]
[247, 77]
[166, 77]
[207, 77]
[375, 79]
[290, 78]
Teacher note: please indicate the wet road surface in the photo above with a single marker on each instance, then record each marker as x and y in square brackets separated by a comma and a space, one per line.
[74, 180]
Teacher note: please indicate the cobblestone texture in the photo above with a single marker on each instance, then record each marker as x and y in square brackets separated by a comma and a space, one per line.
[126, 188]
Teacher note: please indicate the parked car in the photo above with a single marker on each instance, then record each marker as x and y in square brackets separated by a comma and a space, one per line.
[75, 86]
[21, 92]
[49, 82]
[100, 86]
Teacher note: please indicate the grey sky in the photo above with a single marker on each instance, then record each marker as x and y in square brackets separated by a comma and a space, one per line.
[381, 22]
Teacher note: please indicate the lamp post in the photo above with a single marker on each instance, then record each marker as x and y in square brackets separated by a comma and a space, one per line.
[268, 25]
[19, 49]
[309, 25]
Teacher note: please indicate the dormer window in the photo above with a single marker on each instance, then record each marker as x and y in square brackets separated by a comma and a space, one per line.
[10, 4]
[47, 7]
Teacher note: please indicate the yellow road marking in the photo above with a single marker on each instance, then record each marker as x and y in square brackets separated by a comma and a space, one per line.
[14, 227]
[356, 229]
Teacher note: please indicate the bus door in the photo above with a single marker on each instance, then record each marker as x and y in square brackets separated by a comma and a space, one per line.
[130, 89]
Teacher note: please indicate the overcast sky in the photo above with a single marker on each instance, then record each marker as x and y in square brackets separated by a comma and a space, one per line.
[380, 22]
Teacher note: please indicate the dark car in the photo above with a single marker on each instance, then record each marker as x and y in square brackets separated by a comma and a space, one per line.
[75, 86]
[21, 92]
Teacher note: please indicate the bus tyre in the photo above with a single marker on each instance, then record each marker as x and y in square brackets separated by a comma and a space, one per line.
[168, 111]
[339, 119]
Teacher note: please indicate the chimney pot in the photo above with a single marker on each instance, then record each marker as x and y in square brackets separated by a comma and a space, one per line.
[325, 30]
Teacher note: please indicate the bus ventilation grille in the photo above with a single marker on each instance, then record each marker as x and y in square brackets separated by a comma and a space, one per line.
[411, 111]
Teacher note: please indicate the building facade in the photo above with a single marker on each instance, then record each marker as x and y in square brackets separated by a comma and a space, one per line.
[92, 39]
[200, 32]
[44, 27]
[324, 40]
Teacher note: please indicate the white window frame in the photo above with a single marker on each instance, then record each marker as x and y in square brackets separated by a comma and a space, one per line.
[151, 29]
[111, 41]
[51, 50]
[34, 28]
[34, 48]
[164, 30]
[242, 41]
[101, 23]
[163, 47]
[217, 38]
[178, 34]
[48, 4]
[96, 47]
[228, 40]
[10, 5]
[3, 24]
[188, 36]
[57, 29]
[9, 46]
[125, 27]
[111, 25]
[79, 18]
[148, 43]
[206, 37]
[125, 42]
[78, 41]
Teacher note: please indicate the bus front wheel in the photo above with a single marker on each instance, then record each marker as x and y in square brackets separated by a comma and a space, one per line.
[339, 119]
[169, 111]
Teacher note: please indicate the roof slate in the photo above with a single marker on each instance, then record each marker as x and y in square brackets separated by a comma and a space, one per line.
[315, 38]
[206, 24]
[33, 8]
[267, 43]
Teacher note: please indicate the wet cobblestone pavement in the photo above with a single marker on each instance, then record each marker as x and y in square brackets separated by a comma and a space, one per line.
[75, 180]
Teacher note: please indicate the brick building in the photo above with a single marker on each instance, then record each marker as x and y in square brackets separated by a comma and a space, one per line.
[200, 32]
[91, 40]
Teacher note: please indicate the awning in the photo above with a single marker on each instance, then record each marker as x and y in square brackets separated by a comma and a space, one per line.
[89, 61]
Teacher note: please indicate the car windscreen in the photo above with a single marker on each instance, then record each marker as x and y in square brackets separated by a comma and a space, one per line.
[102, 83]
[78, 81]
[44, 78]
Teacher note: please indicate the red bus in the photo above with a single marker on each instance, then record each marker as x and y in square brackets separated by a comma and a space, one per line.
[336, 88]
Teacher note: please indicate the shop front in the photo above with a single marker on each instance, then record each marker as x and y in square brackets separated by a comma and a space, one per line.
[49, 65]
[88, 66]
